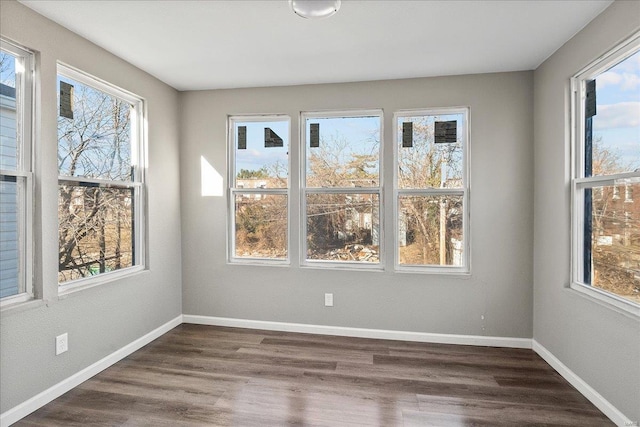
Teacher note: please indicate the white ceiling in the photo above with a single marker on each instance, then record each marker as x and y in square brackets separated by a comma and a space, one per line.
[194, 45]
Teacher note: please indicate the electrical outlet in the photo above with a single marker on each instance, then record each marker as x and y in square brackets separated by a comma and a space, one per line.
[328, 300]
[62, 343]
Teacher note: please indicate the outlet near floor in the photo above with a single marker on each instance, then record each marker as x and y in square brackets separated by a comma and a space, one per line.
[328, 300]
[62, 343]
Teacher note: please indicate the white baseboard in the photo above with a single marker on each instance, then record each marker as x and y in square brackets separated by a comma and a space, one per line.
[587, 391]
[25, 408]
[360, 332]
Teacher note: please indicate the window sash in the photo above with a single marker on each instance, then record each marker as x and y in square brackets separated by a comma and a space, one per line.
[25, 238]
[232, 144]
[232, 257]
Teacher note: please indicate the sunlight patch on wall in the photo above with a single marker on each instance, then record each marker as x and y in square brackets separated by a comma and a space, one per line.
[211, 180]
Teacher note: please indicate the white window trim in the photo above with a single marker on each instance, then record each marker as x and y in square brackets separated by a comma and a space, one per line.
[25, 91]
[464, 191]
[232, 189]
[325, 264]
[579, 182]
[138, 159]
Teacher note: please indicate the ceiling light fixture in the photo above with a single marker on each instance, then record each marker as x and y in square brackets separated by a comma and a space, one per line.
[314, 9]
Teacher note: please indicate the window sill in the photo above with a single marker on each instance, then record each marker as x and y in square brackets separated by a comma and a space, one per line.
[434, 271]
[608, 300]
[258, 262]
[78, 285]
[20, 306]
[345, 265]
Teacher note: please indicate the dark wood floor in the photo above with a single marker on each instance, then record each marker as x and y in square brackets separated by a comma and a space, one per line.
[204, 375]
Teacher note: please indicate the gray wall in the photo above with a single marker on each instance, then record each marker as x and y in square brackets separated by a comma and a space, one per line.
[500, 285]
[102, 319]
[600, 345]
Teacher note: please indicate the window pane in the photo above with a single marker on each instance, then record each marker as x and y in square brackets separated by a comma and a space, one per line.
[261, 226]
[615, 244]
[261, 154]
[615, 126]
[11, 195]
[94, 133]
[430, 230]
[343, 152]
[8, 124]
[343, 227]
[95, 230]
[427, 160]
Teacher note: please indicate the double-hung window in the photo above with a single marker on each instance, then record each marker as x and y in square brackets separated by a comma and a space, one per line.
[606, 177]
[431, 190]
[341, 189]
[101, 180]
[259, 189]
[16, 175]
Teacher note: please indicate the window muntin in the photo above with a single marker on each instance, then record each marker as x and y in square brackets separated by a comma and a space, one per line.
[342, 195]
[431, 197]
[101, 179]
[259, 188]
[16, 176]
[606, 173]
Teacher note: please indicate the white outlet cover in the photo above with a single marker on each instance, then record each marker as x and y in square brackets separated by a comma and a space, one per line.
[328, 300]
[62, 343]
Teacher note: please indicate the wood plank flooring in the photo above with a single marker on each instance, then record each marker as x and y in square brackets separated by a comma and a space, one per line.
[203, 375]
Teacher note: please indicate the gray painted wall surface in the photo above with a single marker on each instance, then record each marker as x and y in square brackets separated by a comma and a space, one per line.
[500, 285]
[600, 345]
[102, 319]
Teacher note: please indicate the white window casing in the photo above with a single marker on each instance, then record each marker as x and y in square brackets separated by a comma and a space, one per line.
[253, 192]
[615, 185]
[349, 192]
[462, 191]
[136, 184]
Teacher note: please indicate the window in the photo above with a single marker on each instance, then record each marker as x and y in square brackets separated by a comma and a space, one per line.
[101, 179]
[342, 189]
[606, 174]
[431, 206]
[259, 188]
[16, 175]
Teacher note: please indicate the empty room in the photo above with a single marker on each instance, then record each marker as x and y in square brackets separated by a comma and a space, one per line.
[319, 213]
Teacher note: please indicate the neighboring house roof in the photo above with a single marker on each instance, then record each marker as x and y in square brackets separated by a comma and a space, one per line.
[7, 91]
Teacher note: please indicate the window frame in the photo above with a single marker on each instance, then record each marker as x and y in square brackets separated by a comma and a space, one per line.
[304, 190]
[137, 184]
[465, 269]
[233, 189]
[578, 181]
[25, 131]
